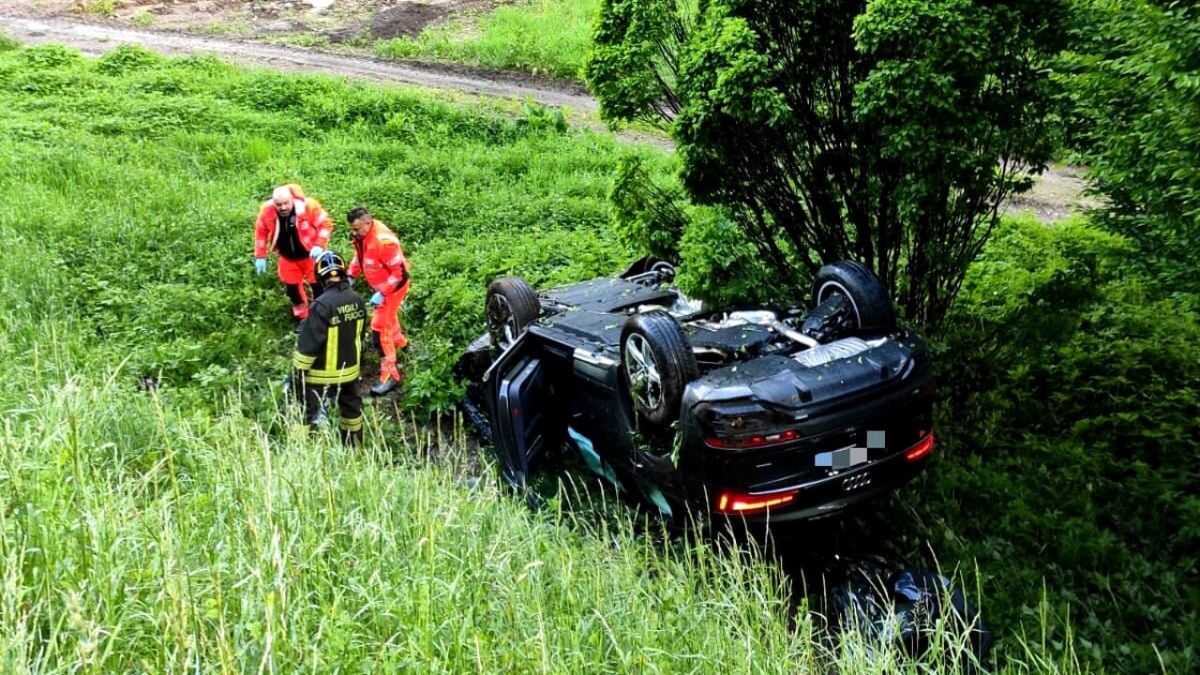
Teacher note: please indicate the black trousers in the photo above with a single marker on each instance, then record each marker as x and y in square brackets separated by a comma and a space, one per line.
[350, 407]
[293, 292]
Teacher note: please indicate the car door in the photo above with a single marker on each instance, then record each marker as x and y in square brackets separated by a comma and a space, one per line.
[523, 410]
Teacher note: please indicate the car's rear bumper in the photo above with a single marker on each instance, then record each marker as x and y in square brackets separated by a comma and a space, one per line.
[804, 460]
[827, 496]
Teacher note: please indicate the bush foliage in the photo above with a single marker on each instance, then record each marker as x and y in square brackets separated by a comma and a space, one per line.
[716, 262]
[888, 132]
[1135, 80]
[1072, 411]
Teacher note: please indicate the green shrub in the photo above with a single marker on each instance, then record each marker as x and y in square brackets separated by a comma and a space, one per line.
[542, 118]
[128, 58]
[98, 7]
[142, 19]
[653, 216]
[1071, 418]
[648, 218]
[7, 43]
[47, 56]
[721, 266]
[842, 128]
[1135, 82]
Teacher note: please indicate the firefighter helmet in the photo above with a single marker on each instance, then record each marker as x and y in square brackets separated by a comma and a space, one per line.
[330, 266]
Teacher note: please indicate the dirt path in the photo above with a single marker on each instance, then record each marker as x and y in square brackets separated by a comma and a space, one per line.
[1056, 194]
[95, 39]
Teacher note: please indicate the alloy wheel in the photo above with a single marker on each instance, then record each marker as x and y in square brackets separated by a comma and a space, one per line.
[643, 370]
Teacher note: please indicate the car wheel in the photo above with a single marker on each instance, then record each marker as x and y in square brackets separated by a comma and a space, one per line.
[869, 302]
[656, 365]
[511, 306]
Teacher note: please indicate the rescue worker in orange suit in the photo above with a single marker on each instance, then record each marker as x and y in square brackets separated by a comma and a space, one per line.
[329, 350]
[378, 255]
[297, 228]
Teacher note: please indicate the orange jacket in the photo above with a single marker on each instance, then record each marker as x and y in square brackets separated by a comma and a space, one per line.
[312, 223]
[380, 258]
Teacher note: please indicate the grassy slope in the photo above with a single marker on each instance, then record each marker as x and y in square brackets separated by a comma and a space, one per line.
[157, 533]
[548, 37]
[191, 528]
[175, 160]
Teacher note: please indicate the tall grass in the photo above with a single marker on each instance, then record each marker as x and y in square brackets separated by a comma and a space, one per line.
[140, 537]
[547, 37]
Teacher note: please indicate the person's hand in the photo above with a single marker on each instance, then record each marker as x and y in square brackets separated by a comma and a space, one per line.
[377, 299]
[260, 265]
[315, 252]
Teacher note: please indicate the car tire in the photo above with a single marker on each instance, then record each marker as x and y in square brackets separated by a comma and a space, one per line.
[657, 363]
[869, 300]
[511, 306]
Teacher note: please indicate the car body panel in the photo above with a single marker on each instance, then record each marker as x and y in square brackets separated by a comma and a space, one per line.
[521, 406]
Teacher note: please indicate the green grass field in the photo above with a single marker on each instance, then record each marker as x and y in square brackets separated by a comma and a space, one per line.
[188, 527]
[546, 37]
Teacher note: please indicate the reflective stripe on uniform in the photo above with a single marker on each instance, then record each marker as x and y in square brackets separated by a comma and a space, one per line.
[352, 423]
[334, 376]
[331, 346]
[302, 361]
[358, 335]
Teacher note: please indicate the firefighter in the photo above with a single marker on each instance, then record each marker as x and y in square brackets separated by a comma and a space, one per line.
[378, 255]
[297, 228]
[329, 350]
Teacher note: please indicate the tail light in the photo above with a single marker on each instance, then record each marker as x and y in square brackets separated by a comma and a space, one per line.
[756, 441]
[732, 501]
[922, 449]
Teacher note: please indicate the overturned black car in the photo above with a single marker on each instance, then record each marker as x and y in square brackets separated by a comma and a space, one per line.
[753, 412]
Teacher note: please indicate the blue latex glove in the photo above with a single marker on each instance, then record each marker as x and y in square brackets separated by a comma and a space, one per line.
[315, 252]
[377, 299]
[260, 265]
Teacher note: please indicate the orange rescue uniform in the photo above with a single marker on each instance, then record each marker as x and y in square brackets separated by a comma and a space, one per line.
[313, 225]
[380, 258]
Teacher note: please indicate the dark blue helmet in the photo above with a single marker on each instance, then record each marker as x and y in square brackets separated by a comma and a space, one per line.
[330, 266]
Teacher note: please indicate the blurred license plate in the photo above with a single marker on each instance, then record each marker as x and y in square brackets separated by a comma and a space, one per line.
[841, 459]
